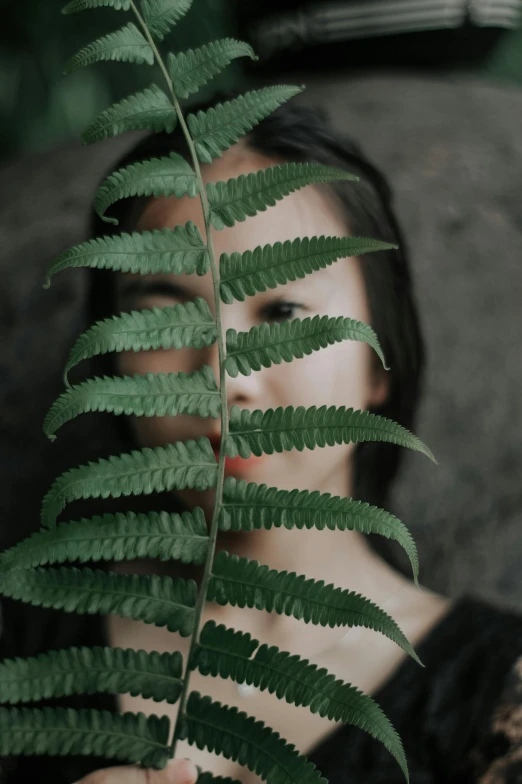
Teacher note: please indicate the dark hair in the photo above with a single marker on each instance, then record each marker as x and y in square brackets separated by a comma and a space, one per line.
[297, 133]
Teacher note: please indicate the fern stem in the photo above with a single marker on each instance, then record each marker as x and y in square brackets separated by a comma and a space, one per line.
[222, 382]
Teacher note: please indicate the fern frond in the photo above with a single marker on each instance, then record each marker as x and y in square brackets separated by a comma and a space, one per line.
[225, 730]
[119, 537]
[140, 472]
[161, 601]
[207, 777]
[149, 109]
[248, 506]
[129, 737]
[84, 5]
[271, 344]
[226, 653]
[161, 15]
[176, 251]
[215, 130]
[179, 326]
[192, 69]
[241, 582]
[276, 430]
[94, 670]
[125, 45]
[249, 194]
[167, 176]
[155, 394]
[266, 267]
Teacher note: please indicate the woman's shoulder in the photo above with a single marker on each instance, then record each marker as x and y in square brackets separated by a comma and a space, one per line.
[459, 717]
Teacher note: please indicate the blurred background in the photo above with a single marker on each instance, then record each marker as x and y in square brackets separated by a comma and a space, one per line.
[431, 89]
[39, 107]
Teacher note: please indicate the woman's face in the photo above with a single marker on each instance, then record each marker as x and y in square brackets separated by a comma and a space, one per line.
[340, 375]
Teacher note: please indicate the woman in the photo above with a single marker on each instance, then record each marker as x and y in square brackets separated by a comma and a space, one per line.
[457, 716]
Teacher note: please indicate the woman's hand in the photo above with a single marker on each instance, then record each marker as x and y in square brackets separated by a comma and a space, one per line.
[179, 771]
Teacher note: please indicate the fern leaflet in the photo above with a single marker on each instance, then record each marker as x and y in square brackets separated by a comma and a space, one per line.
[244, 583]
[192, 69]
[161, 601]
[154, 675]
[244, 274]
[188, 324]
[168, 176]
[125, 45]
[249, 194]
[276, 430]
[161, 15]
[118, 537]
[183, 464]
[216, 129]
[271, 344]
[155, 394]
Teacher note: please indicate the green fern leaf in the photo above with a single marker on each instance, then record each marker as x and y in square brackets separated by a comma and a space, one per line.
[227, 731]
[248, 506]
[270, 344]
[125, 45]
[150, 109]
[208, 778]
[188, 324]
[249, 194]
[160, 601]
[244, 583]
[84, 5]
[94, 670]
[161, 15]
[150, 395]
[174, 466]
[192, 69]
[130, 737]
[216, 129]
[244, 274]
[118, 537]
[167, 176]
[276, 430]
[226, 653]
[170, 251]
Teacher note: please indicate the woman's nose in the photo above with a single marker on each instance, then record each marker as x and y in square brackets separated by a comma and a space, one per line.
[243, 391]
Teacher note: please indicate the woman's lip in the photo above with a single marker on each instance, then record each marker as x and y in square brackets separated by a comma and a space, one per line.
[238, 464]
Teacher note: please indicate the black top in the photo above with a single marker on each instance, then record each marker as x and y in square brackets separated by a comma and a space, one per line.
[459, 717]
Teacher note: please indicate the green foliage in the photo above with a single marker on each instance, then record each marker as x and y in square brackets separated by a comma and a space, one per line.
[84, 5]
[179, 250]
[227, 731]
[216, 129]
[190, 324]
[175, 466]
[61, 731]
[125, 45]
[191, 70]
[155, 394]
[161, 601]
[170, 176]
[33, 571]
[244, 274]
[249, 194]
[161, 15]
[280, 429]
[154, 675]
[247, 506]
[225, 653]
[115, 537]
[271, 344]
[243, 583]
[148, 109]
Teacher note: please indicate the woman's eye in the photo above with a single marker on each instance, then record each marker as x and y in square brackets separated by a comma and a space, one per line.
[280, 311]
